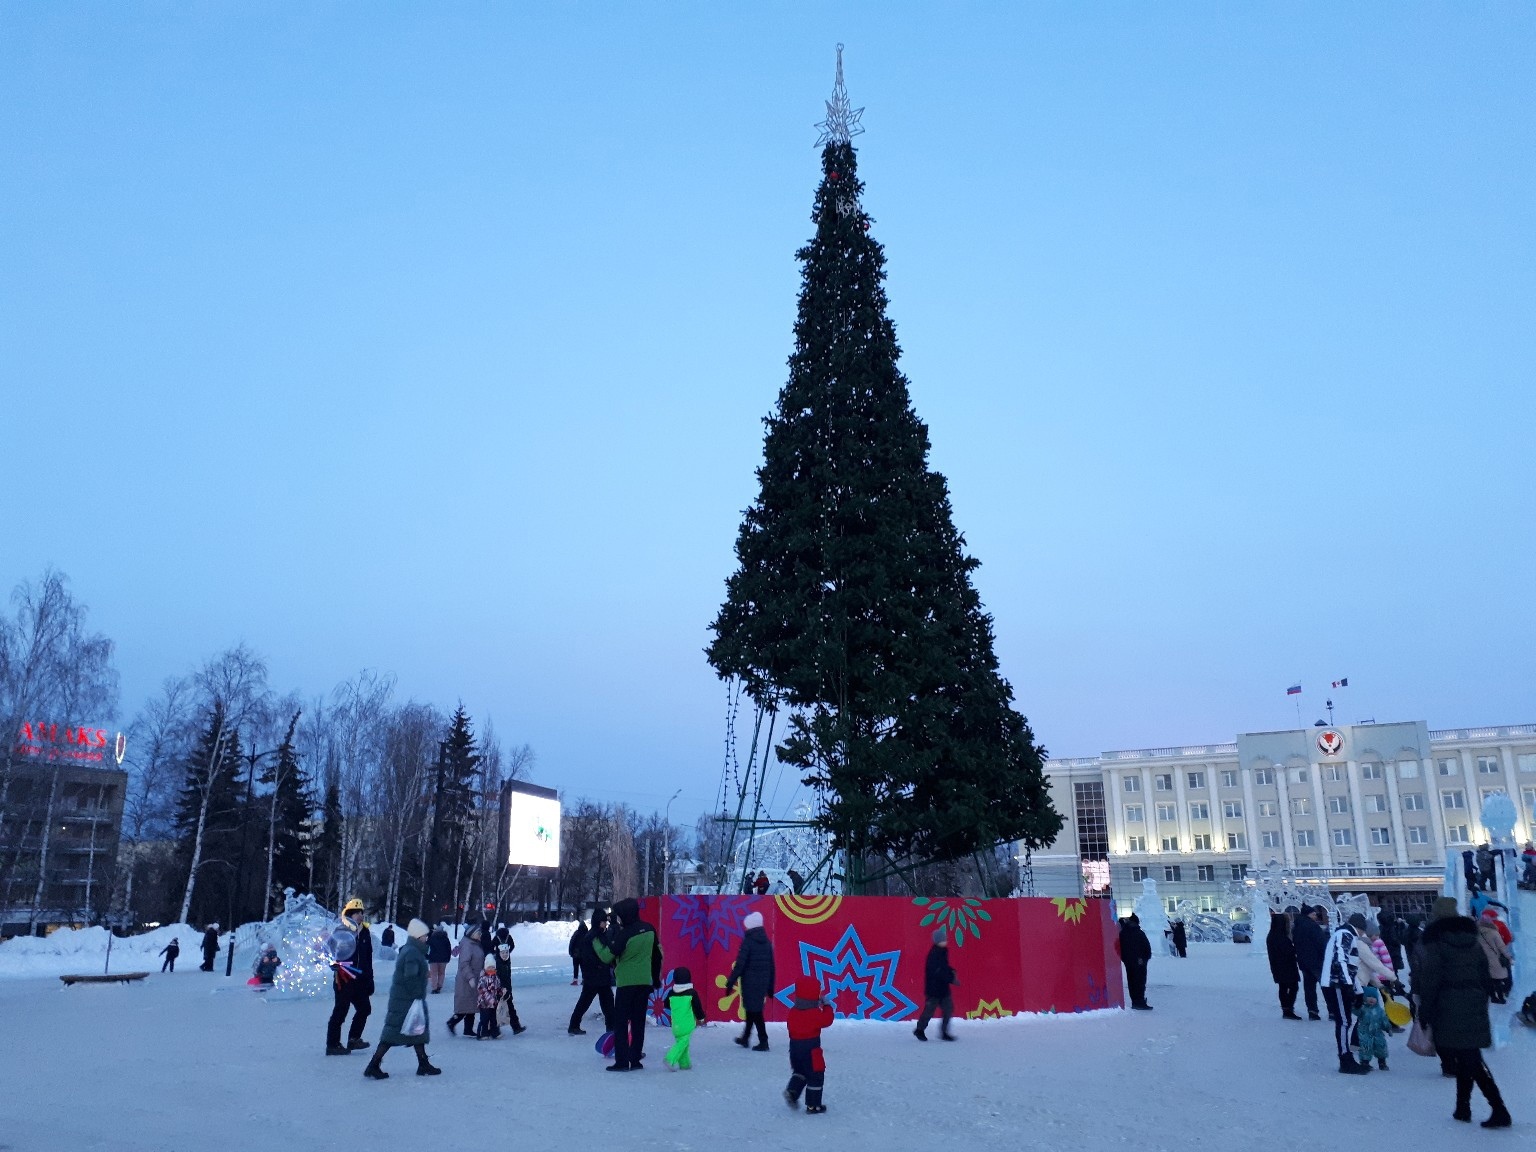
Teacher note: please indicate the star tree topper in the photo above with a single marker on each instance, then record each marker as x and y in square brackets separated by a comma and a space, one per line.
[842, 122]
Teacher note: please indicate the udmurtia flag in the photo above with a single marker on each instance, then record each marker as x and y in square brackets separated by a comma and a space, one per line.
[1344, 683]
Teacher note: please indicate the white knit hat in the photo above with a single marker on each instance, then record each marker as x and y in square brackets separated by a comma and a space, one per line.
[753, 920]
[417, 930]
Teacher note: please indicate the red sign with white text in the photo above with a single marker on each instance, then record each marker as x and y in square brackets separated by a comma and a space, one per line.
[61, 742]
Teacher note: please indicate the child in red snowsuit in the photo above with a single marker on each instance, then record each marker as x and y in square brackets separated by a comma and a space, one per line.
[808, 1067]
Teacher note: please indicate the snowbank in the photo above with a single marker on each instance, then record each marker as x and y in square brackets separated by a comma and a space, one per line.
[71, 950]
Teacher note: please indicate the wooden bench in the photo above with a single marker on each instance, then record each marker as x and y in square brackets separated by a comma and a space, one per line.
[104, 978]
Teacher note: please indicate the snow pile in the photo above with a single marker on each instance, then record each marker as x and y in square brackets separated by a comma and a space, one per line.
[71, 950]
[549, 939]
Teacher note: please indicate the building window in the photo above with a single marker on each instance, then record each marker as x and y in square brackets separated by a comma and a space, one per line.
[1165, 812]
[1306, 838]
[1237, 842]
[1487, 792]
[1173, 905]
[1371, 770]
[1203, 842]
[1134, 814]
[1458, 834]
[1297, 776]
[1199, 811]
[1338, 805]
[1173, 873]
[1450, 767]
[1264, 777]
[1232, 809]
[1239, 871]
[1301, 806]
[1413, 801]
[1139, 873]
[1407, 769]
[1207, 902]
[1163, 782]
[1453, 799]
[1206, 873]
[1333, 773]
[1528, 795]
[1526, 761]
[1229, 779]
[1489, 766]
[1375, 803]
[1092, 820]
[1270, 839]
[1135, 843]
[1381, 835]
[1170, 843]
[1269, 807]
[1131, 783]
[1343, 837]
[1418, 834]
[1196, 779]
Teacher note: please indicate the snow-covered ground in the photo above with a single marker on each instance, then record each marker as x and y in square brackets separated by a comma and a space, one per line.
[195, 1062]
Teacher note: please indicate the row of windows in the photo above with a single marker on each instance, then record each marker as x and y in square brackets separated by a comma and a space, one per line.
[1305, 838]
[1369, 770]
[1451, 800]
[1174, 873]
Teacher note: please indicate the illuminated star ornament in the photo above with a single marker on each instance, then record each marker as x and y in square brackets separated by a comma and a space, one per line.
[842, 122]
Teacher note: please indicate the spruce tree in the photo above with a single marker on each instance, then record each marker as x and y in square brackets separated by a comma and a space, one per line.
[211, 774]
[453, 796]
[852, 605]
[291, 803]
[327, 847]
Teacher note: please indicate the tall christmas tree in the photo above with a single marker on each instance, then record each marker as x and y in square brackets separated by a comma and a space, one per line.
[853, 606]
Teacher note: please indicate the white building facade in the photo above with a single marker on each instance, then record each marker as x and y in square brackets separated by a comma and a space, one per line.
[1363, 807]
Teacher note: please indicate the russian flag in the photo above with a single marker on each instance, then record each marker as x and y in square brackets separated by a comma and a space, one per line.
[1293, 690]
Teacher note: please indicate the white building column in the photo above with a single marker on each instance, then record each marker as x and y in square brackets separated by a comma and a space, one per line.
[1287, 828]
[1115, 803]
[1148, 811]
[1186, 838]
[1526, 827]
[1474, 806]
[1320, 811]
[1432, 784]
[1250, 815]
[1395, 815]
[1357, 817]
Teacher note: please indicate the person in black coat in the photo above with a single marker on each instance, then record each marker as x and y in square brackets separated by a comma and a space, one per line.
[938, 976]
[210, 947]
[1282, 963]
[754, 969]
[1310, 940]
[439, 952]
[596, 977]
[1180, 939]
[170, 952]
[574, 948]
[352, 990]
[387, 937]
[1135, 954]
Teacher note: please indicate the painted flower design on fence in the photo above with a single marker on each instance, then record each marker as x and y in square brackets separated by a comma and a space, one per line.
[957, 915]
[1070, 908]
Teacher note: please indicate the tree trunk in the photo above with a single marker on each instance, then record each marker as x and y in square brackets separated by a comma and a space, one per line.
[215, 759]
[42, 855]
[266, 893]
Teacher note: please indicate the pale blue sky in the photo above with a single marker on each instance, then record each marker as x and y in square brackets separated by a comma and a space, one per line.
[436, 339]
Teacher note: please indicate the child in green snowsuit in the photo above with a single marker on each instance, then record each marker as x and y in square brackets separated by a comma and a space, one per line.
[1371, 1032]
[687, 1014]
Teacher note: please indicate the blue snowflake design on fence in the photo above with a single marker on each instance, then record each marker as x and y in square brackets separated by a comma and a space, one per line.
[850, 969]
[711, 921]
[660, 1009]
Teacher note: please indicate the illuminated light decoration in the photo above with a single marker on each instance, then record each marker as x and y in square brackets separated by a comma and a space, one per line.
[303, 930]
[120, 748]
[842, 122]
[988, 1010]
[957, 916]
[50, 742]
[1070, 908]
[860, 985]
[809, 909]
[712, 922]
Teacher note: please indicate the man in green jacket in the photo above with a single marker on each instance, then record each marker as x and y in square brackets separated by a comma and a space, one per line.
[632, 947]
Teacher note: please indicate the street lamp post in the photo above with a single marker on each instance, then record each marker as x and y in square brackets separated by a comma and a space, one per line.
[666, 847]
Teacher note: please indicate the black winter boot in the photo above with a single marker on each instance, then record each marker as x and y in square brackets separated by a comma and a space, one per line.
[1349, 1067]
[358, 1044]
[1484, 1080]
[425, 1067]
[374, 1071]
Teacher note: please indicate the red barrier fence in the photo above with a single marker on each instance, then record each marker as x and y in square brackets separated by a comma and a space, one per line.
[1010, 956]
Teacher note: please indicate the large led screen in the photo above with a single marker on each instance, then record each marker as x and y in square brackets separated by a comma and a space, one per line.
[533, 832]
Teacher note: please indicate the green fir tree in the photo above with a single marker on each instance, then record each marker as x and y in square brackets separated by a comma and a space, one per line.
[852, 605]
[292, 804]
[212, 768]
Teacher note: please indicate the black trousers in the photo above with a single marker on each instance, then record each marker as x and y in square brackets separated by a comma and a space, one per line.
[755, 1020]
[348, 995]
[208, 958]
[807, 1073]
[604, 998]
[169, 965]
[629, 1008]
[1136, 980]
[1288, 990]
[1467, 1064]
[1309, 990]
[1341, 1010]
[945, 1005]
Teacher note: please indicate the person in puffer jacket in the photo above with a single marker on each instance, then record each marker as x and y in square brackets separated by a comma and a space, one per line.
[487, 996]
[1371, 1031]
[687, 1012]
[754, 970]
[1496, 948]
[808, 1067]
[1453, 982]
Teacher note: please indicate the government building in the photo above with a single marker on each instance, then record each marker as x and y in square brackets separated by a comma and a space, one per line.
[1361, 807]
